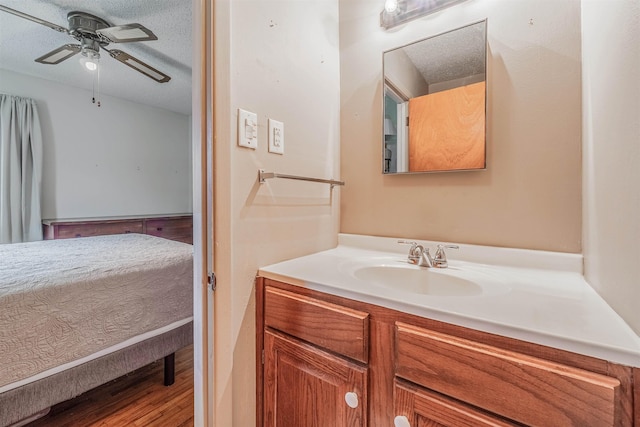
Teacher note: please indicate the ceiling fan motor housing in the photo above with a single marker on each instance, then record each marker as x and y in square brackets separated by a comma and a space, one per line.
[83, 25]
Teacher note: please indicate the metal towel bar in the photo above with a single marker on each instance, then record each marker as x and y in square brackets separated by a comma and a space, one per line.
[262, 176]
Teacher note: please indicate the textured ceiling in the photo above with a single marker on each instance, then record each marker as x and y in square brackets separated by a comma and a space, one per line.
[22, 41]
[453, 55]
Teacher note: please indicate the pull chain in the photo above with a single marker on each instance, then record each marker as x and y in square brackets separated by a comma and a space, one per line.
[96, 87]
[98, 77]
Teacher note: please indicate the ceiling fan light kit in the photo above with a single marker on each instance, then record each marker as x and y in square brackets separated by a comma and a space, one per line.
[90, 48]
[94, 33]
[90, 64]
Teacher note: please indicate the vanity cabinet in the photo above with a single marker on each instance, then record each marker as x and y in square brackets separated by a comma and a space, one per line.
[314, 362]
[406, 370]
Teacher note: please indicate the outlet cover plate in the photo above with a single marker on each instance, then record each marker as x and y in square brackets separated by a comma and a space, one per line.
[247, 129]
[276, 137]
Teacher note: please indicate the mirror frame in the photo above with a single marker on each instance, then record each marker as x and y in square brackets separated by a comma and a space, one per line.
[486, 92]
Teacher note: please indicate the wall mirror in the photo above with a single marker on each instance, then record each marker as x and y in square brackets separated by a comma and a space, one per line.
[435, 103]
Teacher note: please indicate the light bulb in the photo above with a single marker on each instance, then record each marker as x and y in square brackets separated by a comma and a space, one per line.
[90, 62]
[391, 6]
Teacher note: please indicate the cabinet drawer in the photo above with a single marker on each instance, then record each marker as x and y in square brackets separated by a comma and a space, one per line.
[426, 408]
[333, 327]
[66, 231]
[180, 229]
[526, 389]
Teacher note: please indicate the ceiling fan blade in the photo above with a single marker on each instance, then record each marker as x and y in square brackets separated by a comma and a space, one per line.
[60, 54]
[139, 66]
[127, 33]
[34, 19]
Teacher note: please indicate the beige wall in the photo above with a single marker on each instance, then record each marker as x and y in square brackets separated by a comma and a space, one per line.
[611, 97]
[530, 194]
[280, 60]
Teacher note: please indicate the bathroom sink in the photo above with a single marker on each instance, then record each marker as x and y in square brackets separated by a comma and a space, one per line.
[409, 278]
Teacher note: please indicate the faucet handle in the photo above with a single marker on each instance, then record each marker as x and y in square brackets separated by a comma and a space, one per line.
[414, 245]
[414, 252]
[440, 257]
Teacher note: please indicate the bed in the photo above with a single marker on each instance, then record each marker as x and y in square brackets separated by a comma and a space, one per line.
[77, 313]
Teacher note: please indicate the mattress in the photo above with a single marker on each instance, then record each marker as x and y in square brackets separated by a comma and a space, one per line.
[62, 301]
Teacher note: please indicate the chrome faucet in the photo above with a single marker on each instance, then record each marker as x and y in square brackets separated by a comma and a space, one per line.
[440, 258]
[419, 255]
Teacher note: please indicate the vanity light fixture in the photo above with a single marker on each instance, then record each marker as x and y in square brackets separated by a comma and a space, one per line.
[396, 12]
[390, 6]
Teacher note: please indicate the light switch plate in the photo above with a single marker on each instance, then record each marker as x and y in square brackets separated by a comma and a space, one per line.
[276, 137]
[247, 129]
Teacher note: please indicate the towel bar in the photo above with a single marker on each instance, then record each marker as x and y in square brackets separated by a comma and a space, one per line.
[262, 176]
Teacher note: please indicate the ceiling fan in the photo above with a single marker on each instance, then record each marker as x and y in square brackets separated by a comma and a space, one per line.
[95, 33]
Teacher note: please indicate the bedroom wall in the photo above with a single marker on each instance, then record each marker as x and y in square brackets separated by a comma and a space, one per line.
[120, 159]
[530, 194]
[280, 60]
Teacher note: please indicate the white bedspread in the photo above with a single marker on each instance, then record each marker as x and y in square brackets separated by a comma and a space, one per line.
[61, 300]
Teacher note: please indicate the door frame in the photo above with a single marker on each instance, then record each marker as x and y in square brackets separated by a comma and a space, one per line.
[202, 133]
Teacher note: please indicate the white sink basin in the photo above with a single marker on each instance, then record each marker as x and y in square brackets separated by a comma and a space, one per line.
[395, 274]
[419, 281]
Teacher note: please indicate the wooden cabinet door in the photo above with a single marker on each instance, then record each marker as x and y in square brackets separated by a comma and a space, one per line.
[423, 408]
[305, 386]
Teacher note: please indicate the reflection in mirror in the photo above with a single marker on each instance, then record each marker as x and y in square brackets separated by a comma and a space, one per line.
[435, 103]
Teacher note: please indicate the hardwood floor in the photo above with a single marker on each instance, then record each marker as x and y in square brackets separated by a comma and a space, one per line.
[137, 399]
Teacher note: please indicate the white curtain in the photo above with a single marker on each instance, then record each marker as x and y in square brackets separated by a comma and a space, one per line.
[20, 170]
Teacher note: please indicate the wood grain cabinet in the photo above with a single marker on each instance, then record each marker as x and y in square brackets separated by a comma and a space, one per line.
[315, 354]
[310, 387]
[519, 387]
[316, 351]
[178, 228]
[172, 227]
[418, 406]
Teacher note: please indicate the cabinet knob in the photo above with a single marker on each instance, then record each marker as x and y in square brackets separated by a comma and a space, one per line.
[352, 399]
[401, 421]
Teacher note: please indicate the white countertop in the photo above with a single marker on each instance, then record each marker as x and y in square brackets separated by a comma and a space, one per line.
[535, 296]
